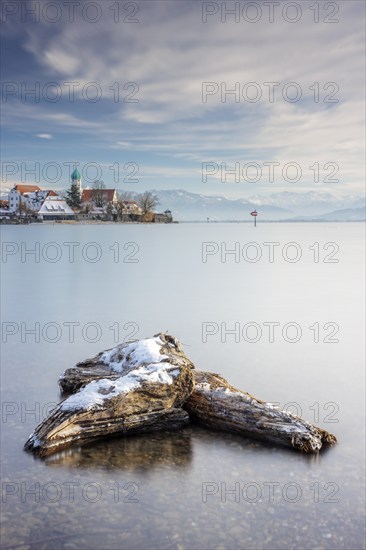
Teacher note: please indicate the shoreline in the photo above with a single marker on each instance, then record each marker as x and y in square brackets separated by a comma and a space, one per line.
[83, 222]
[203, 222]
[99, 222]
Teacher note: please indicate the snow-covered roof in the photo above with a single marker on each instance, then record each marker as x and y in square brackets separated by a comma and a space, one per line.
[26, 188]
[55, 205]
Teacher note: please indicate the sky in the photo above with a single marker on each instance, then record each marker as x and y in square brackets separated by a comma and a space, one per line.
[230, 98]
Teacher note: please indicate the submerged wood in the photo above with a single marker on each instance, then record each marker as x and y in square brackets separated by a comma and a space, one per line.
[149, 385]
[217, 404]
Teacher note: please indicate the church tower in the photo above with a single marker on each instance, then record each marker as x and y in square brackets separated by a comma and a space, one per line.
[76, 179]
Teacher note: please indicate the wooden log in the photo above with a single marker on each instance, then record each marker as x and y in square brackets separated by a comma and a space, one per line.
[217, 404]
[150, 385]
[122, 359]
[143, 389]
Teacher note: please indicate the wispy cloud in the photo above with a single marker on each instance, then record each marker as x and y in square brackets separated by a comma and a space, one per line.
[170, 53]
[44, 136]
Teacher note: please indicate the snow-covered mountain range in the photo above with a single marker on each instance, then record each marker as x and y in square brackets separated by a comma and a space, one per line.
[187, 206]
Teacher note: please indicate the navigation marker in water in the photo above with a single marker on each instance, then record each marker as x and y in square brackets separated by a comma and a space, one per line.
[255, 214]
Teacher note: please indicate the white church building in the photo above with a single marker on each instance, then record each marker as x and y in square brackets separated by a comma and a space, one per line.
[45, 204]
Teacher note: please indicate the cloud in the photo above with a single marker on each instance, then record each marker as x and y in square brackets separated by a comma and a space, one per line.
[170, 53]
[23, 116]
[44, 136]
[123, 145]
[62, 62]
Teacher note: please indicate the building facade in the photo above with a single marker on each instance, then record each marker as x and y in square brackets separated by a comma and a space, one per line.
[166, 217]
[20, 193]
[43, 204]
[99, 197]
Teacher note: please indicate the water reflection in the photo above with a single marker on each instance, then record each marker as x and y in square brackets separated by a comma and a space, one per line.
[146, 452]
[138, 453]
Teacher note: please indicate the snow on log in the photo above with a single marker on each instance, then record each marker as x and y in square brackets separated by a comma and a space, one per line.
[123, 359]
[149, 385]
[135, 387]
[217, 404]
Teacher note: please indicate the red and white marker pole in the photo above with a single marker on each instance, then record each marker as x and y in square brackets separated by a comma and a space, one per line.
[254, 214]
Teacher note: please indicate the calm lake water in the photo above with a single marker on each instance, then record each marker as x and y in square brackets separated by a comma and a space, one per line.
[290, 332]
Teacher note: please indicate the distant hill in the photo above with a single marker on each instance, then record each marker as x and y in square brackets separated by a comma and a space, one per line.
[347, 214]
[187, 206]
[309, 203]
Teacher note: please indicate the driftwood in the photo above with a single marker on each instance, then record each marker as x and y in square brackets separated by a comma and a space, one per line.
[217, 404]
[137, 387]
[149, 385]
[123, 359]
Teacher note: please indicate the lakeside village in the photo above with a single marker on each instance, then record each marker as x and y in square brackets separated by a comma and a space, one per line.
[31, 204]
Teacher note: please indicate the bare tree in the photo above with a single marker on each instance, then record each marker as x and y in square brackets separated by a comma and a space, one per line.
[122, 199]
[97, 194]
[120, 207]
[125, 196]
[86, 208]
[147, 202]
[109, 210]
[23, 209]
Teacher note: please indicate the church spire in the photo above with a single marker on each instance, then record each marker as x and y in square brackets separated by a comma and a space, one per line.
[76, 178]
